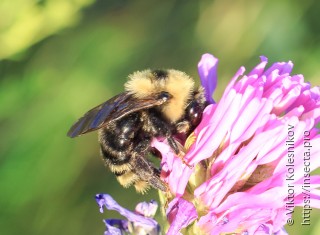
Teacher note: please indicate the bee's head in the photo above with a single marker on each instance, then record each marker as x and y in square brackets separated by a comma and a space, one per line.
[175, 84]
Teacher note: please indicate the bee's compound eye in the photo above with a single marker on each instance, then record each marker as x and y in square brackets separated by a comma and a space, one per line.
[194, 113]
[165, 95]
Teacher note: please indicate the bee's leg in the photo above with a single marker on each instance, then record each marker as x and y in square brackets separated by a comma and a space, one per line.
[126, 178]
[143, 145]
[147, 172]
[173, 144]
[178, 151]
[157, 183]
[166, 130]
[163, 129]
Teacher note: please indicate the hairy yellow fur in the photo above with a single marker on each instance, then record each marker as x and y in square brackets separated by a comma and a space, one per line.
[178, 84]
[141, 186]
[119, 168]
[127, 179]
[140, 84]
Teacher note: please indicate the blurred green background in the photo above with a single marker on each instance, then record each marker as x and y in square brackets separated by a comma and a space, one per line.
[59, 58]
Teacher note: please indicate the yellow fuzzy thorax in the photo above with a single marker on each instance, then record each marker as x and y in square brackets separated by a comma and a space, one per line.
[144, 84]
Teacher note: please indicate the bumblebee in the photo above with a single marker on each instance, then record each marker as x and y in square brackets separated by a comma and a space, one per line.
[155, 104]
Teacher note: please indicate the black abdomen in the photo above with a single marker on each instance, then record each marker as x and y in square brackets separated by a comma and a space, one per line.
[124, 146]
[117, 139]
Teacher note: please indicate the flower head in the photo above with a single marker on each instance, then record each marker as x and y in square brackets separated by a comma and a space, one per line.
[243, 151]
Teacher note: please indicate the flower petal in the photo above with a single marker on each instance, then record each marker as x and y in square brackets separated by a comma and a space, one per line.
[147, 209]
[116, 226]
[207, 69]
[139, 222]
[241, 147]
[180, 214]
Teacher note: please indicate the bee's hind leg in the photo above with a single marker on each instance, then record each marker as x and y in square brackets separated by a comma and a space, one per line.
[147, 174]
[178, 150]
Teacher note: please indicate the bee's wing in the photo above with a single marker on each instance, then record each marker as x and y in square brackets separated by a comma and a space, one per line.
[111, 110]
